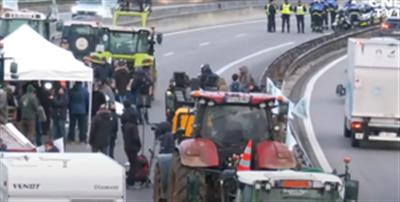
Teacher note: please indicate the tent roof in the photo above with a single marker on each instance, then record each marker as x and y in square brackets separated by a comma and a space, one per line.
[39, 59]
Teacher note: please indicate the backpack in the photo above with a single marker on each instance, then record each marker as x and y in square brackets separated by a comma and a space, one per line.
[143, 85]
[235, 87]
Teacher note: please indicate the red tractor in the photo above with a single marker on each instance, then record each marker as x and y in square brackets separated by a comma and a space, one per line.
[204, 164]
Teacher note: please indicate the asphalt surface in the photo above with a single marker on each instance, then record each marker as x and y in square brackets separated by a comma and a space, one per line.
[375, 165]
[225, 48]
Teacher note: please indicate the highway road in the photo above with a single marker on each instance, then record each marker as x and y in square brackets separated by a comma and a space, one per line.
[376, 166]
[225, 48]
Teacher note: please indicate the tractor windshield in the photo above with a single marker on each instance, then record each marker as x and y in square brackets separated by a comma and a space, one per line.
[7, 26]
[234, 124]
[129, 42]
[80, 30]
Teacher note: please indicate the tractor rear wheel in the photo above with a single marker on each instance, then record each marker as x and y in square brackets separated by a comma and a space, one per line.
[178, 182]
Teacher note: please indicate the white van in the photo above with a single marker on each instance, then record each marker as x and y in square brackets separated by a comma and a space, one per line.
[102, 8]
[60, 177]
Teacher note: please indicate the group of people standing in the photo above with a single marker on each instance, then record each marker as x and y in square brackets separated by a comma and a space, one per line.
[300, 9]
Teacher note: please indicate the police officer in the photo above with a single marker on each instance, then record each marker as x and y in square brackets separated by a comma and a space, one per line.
[270, 11]
[300, 10]
[316, 11]
[325, 14]
[333, 9]
[286, 10]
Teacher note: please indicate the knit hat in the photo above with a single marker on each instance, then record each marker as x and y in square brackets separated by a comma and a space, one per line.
[30, 88]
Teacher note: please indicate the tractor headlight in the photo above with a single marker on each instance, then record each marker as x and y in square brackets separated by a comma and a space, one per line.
[328, 187]
[268, 186]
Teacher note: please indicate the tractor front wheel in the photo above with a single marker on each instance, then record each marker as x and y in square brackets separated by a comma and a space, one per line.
[179, 187]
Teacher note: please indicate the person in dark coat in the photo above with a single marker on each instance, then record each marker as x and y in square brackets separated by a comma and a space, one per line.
[78, 111]
[122, 78]
[102, 71]
[101, 131]
[126, 115]
[132, 144]
[3, 146]
[29, 105]
[114, 131]
[50, 147]
[59, 113]
[98, 99]
[167, 143]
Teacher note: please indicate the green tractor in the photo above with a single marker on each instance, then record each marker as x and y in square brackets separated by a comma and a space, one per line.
[11, 20]
[126, 9]
[82, 37]
[307, 185]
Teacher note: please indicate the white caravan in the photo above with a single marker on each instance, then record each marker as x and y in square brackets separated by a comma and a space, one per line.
[60, 177]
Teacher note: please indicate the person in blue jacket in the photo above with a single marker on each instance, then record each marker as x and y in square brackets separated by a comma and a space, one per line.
[78, 112]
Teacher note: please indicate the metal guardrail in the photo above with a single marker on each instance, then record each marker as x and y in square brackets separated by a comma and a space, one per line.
[291, 61]
[287, 64]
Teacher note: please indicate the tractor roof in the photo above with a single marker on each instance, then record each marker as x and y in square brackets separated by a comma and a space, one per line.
[106, 26]
[125, 28]
[76, 22]
[235, 98]
[23, 14]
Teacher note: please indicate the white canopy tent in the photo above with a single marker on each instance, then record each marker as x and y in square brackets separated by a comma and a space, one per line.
[39, 59]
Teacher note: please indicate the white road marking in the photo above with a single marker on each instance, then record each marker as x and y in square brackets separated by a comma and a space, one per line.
[236, 62]
[308, 122]
[168, 54]
[214, 27]
[240, 35]
[204, 44]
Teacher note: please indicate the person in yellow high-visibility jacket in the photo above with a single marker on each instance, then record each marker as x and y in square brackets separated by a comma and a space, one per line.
[286, 11]
[300, 10]
[270, 11]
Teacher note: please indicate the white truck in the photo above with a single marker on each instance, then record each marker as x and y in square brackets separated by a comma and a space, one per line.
[100, 8]
[61, 177]
[372, 91]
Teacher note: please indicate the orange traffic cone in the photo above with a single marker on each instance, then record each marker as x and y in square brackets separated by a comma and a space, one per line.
[245, 161]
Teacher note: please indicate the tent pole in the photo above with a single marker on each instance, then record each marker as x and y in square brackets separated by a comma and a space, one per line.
[90, 89]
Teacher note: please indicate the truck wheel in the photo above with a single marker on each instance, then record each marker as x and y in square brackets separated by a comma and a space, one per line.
[157, 186]
[177, 183]
[354, 141]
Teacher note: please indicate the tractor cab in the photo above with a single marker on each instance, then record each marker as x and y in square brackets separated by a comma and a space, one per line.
[127, 10]
[228, 120]
[83, 37]
[135, 45]
[12, 20]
